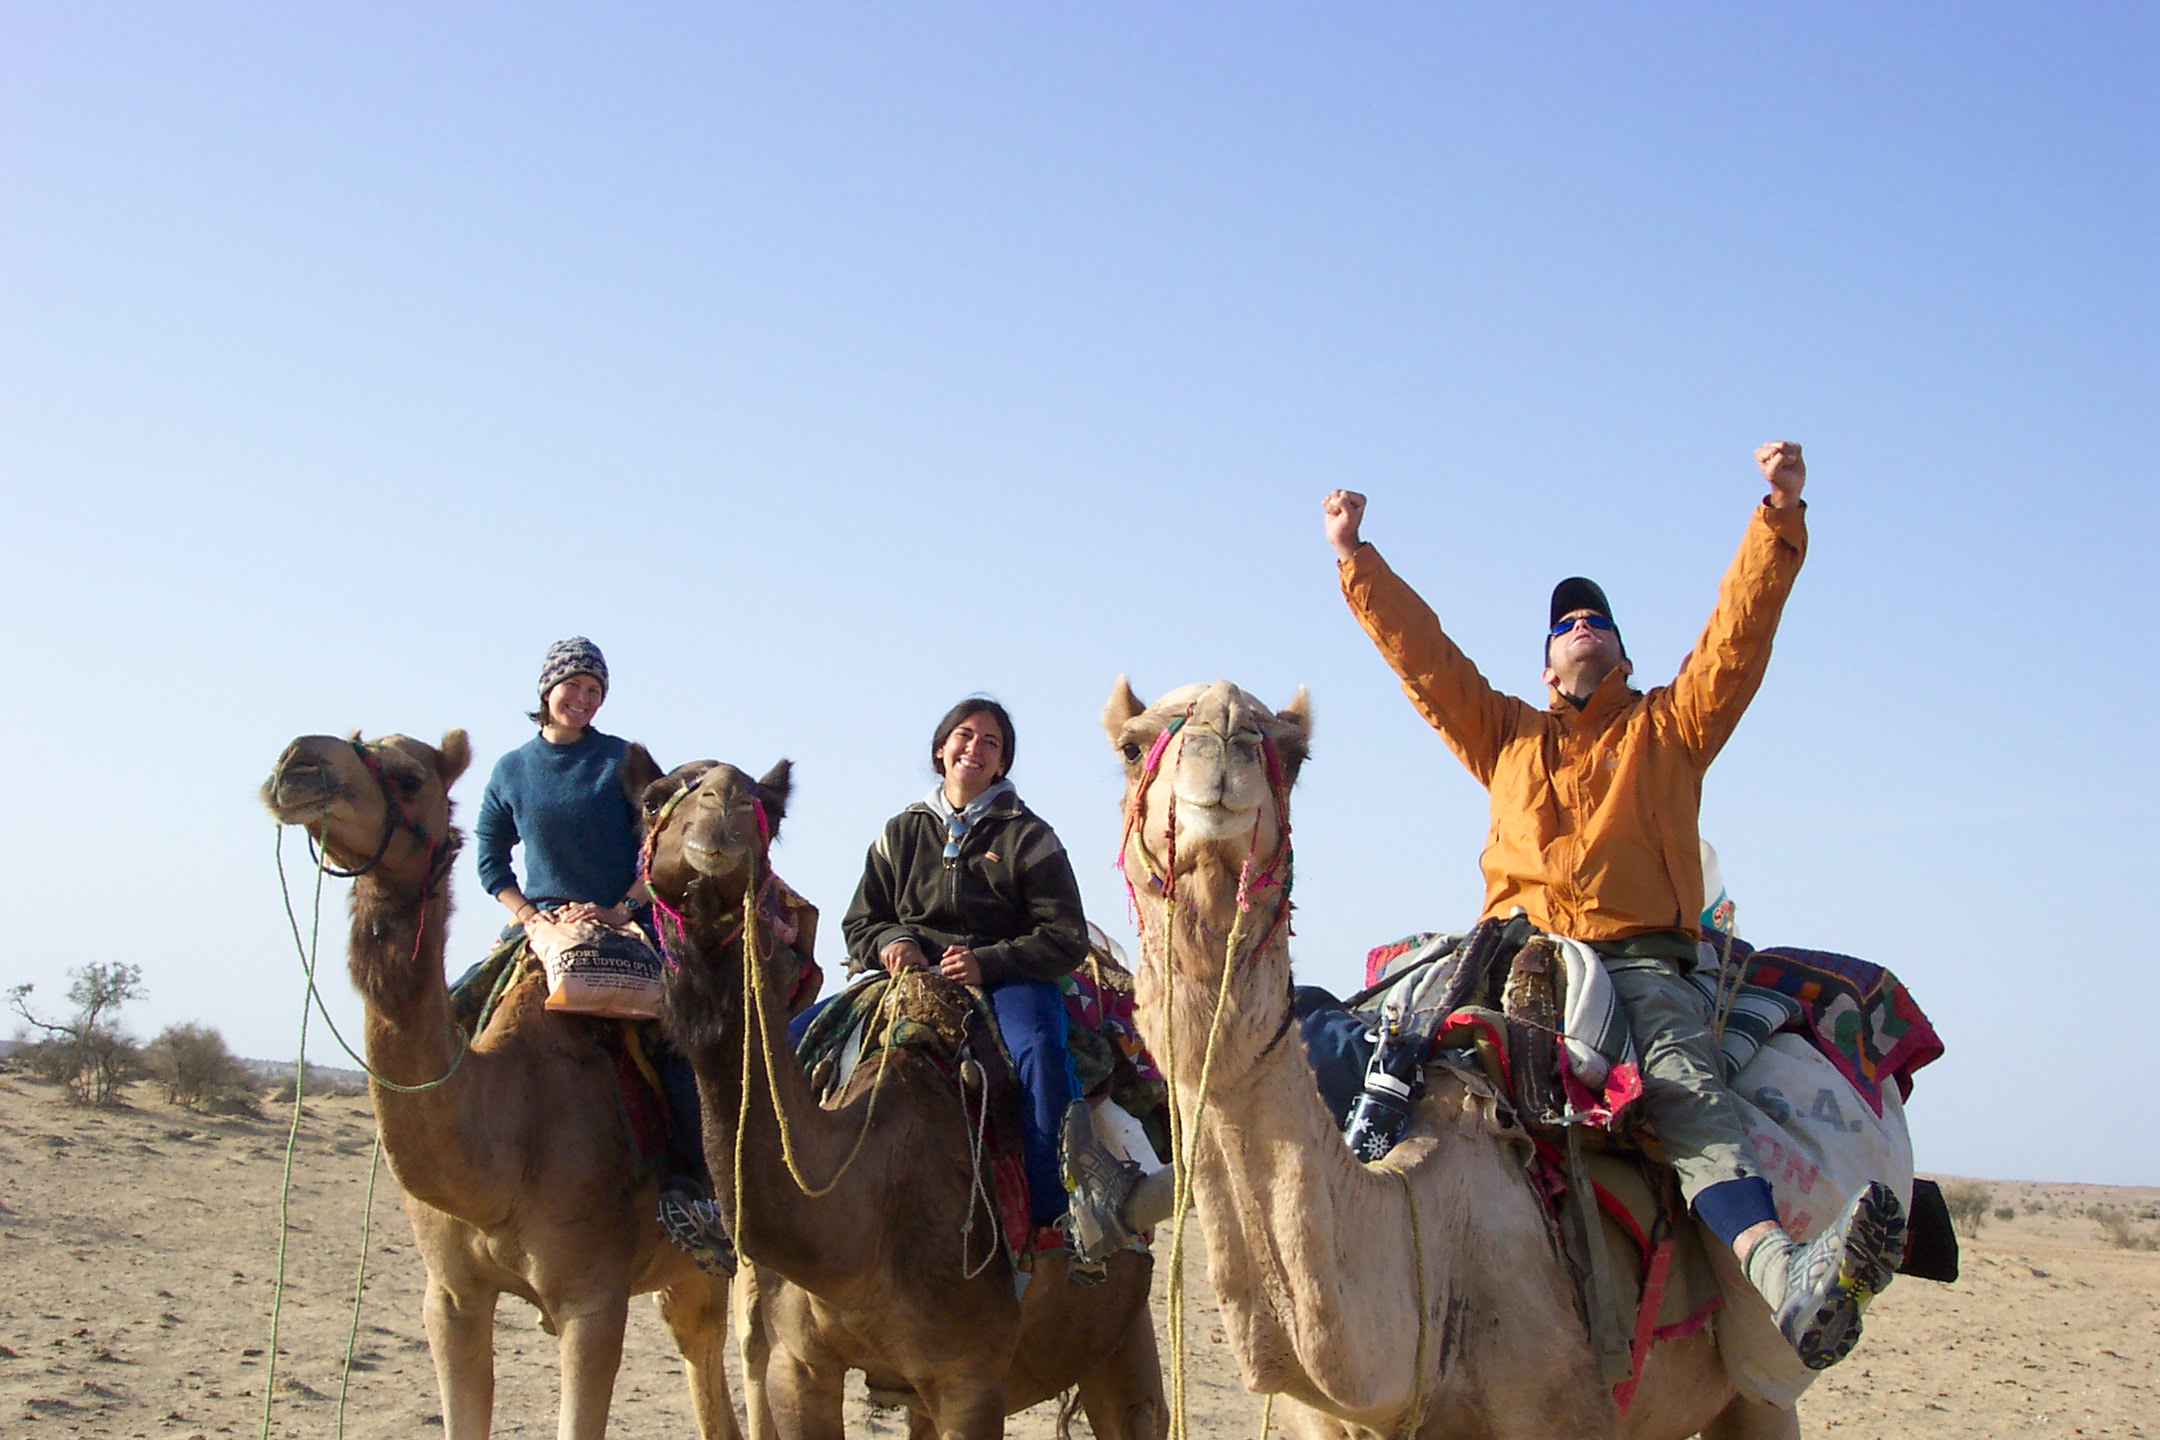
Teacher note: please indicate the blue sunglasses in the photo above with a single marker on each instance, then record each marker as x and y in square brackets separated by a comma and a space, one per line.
[1595, 622]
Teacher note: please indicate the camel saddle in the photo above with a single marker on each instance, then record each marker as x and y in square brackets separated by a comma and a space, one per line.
[953, 1027]
[639, 1095]
[1491, 1006]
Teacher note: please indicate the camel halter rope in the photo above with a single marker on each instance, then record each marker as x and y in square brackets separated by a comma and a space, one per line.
[757, 1023]
[440, 857]
[1132, 846]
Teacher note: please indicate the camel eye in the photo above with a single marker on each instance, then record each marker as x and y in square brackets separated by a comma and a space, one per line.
[407, 783]
[1131, 753]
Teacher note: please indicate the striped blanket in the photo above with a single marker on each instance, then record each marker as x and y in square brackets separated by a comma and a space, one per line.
[1860, 1015]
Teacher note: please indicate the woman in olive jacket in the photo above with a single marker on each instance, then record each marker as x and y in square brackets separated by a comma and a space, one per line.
[970, 881]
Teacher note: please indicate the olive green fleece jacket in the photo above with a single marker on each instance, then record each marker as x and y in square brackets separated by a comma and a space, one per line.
[1011, 896]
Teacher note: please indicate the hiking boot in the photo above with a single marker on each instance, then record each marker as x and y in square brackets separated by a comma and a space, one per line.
[692, 1222]
[1830, 1280]
[1097, 1185]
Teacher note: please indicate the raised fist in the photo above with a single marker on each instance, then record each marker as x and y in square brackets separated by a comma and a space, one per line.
[1344, 511]
[1784, 469]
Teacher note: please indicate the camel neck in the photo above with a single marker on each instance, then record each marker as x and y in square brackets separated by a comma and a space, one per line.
[395, 954]
[806, 1239]
[1291, 1220]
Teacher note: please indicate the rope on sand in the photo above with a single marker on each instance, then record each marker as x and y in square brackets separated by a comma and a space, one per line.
[308, 953]
[292, 1133]
[352, 1336]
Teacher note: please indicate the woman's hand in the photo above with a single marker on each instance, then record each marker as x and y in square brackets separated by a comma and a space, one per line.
[582, 910]
[959, 963]
[903, 955]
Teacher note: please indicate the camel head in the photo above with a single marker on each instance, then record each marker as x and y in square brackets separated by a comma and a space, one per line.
[1223, 773]
[378, 807]
[710, 822]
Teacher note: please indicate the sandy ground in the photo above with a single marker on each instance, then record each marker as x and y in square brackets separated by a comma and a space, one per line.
[140, 1252]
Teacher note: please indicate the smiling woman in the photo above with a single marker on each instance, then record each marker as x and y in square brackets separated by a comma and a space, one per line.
[561, 795]
[970, 882]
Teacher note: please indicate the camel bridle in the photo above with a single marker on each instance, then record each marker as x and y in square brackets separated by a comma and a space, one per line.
[395, 818]
[758, 894]
[1161, 880]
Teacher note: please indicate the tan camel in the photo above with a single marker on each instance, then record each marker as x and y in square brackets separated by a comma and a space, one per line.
[1310, 1252]
[517, 1167]
[896, 1270]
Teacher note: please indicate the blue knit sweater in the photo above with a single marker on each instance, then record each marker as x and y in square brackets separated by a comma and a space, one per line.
[564, 805]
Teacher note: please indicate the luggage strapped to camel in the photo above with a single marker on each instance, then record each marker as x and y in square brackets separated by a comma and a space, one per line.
[1528, 1022]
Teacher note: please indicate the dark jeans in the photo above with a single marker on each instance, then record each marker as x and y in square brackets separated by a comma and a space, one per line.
[1031, 1017]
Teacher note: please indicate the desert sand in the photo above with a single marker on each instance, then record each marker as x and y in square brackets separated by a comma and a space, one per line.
[140, 1253]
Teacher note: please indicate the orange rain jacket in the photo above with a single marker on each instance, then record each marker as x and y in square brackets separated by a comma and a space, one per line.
[1594, 812]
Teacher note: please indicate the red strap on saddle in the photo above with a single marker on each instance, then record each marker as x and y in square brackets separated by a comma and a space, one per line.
[1653, 1299]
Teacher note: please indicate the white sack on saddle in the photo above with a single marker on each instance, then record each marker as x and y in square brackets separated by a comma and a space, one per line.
[598, 969]
[1818, 1144]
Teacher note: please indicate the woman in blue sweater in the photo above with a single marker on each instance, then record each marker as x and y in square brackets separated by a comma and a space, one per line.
[560, 795]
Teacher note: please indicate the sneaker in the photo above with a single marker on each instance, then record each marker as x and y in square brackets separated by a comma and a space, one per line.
[692, 1222]
[1830, 1280]
[1097, 1185]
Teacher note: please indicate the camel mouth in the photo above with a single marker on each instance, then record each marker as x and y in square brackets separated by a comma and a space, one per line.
[1214, 820]
[299, 791]
[709, 858]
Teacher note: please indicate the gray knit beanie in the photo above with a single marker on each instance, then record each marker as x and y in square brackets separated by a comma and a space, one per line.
[575, 656]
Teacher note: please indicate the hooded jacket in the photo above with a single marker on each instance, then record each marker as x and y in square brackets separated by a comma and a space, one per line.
[1011, 896]
[1594, 812]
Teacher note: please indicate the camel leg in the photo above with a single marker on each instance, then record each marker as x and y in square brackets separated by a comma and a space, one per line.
[590, 1346]
[696, 1315]
[1123, 1396]
[970, 1411]
[461, 1340]
[748, 1301]
[1746, 1419]
[807, 1404]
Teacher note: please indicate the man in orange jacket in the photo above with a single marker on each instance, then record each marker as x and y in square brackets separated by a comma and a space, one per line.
[1594, 809]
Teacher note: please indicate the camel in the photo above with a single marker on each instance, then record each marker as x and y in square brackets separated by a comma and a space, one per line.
[874, 1253]
[516, 1167]
[1311, 1252]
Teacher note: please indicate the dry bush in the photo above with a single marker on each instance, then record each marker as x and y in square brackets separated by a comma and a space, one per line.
[1968, 1202]
[193, 1067]
[317, 1084]
[2006, 1212]
[2116, 1228]
[88, 1052]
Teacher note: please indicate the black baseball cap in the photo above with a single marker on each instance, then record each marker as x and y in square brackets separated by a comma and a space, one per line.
[1576, 593]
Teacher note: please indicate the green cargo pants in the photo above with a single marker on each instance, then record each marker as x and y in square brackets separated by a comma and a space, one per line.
[1684, 1094]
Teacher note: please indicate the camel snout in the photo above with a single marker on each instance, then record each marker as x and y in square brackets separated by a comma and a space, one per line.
[299, 784]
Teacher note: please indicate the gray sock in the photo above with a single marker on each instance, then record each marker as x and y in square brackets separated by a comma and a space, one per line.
[1769, 1263]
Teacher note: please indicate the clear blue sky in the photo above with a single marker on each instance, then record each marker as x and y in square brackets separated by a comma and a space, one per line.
[825, 363]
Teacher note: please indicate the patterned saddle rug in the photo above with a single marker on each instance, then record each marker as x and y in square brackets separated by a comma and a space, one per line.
[953, 1027]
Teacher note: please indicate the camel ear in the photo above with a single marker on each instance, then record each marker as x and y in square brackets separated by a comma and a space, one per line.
[1123, 706]
[774, 787]
[1293, 733]
[637, 771]
[452, 756]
